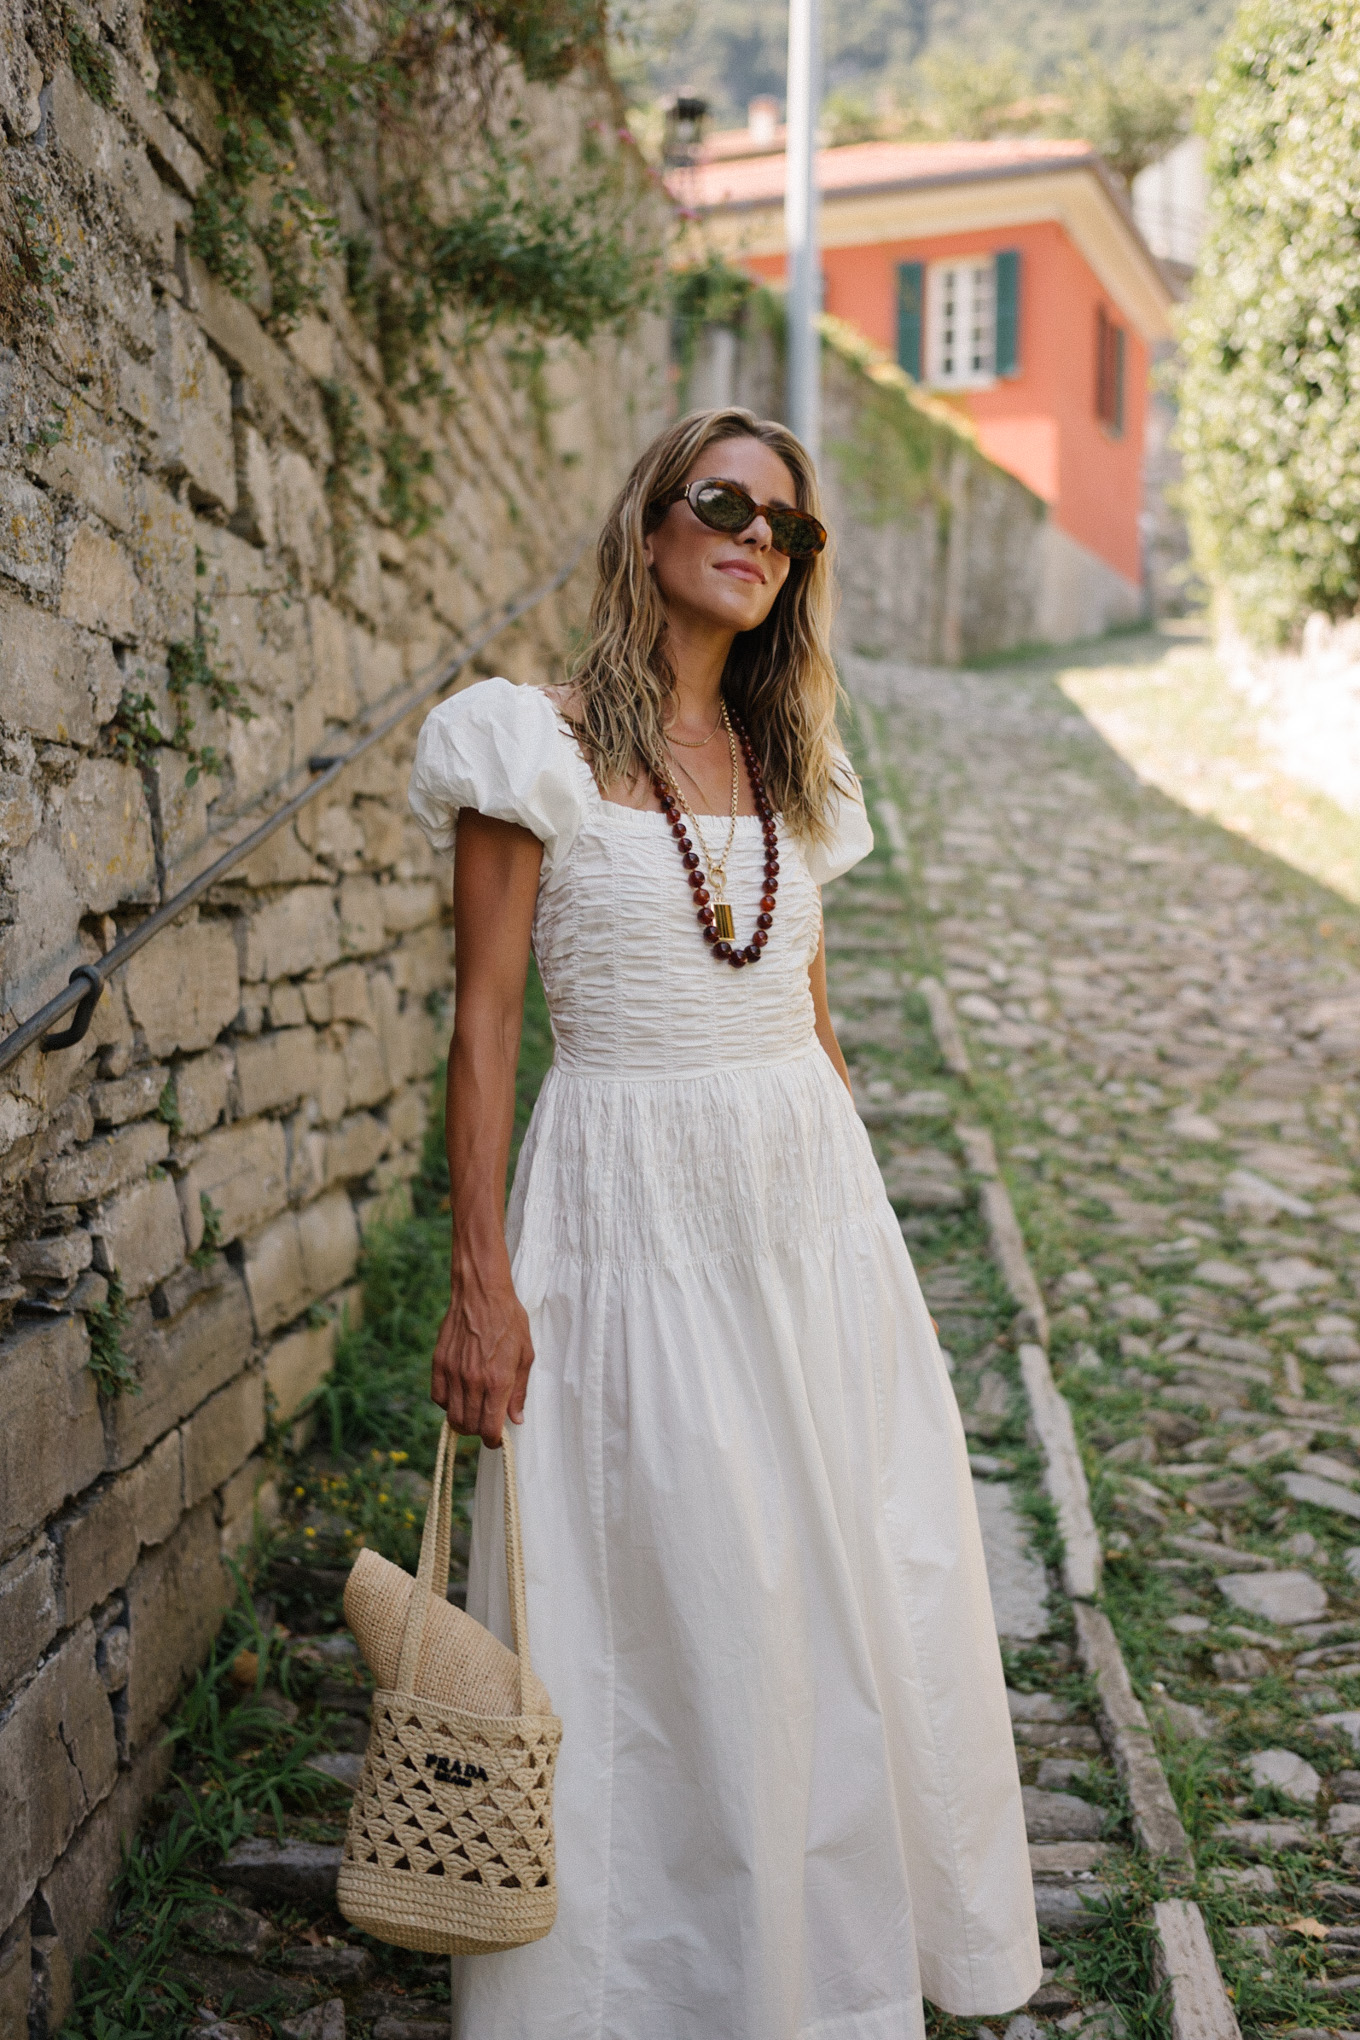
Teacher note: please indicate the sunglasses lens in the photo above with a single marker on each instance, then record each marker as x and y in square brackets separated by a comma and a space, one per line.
[796, 535]
[722, 507]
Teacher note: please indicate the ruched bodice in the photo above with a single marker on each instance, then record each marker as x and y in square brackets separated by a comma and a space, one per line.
[633, 989]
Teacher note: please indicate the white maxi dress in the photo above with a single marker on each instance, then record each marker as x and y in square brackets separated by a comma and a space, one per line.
[787, 1802]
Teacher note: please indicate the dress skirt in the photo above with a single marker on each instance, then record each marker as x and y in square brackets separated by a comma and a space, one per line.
[787, 1801]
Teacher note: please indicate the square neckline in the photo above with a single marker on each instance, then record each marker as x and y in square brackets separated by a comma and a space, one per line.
[567, 732]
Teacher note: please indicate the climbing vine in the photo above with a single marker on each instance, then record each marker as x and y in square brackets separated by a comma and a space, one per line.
[326, 116]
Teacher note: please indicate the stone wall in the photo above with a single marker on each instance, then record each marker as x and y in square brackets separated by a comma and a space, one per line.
[254, 1086]
[941, 555]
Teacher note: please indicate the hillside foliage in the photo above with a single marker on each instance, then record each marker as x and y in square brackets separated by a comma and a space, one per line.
[730, 50]
[1270, 399]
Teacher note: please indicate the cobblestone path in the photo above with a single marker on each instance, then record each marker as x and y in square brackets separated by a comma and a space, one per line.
[1164, 1033]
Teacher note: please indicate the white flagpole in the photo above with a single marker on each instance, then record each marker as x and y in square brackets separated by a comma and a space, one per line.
[800, 225]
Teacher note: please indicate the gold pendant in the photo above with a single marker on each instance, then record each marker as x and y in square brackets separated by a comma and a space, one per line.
[722, 920]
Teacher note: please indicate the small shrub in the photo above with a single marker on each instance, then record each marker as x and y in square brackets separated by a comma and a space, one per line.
[89, 63]
[113, 1371]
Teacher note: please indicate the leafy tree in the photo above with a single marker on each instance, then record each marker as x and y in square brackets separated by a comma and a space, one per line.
[1127, 108]
[1270, 397]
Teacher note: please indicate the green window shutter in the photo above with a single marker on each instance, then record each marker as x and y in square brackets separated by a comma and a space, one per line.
[911, 293]
[1117, 422]
[1008, 312]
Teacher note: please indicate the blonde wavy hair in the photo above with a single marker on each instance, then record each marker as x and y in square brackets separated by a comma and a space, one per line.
[780, 679]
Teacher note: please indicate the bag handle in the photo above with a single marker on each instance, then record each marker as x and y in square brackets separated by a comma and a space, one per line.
[432, 1575]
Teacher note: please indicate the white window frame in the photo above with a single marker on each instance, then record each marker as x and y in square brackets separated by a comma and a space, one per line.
[961, 323]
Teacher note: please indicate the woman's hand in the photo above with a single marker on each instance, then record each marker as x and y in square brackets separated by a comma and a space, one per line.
[482, 1357]
[484, 1352]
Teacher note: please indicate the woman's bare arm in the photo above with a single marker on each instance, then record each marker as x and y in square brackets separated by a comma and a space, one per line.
[826, 1033]
[484, 1352]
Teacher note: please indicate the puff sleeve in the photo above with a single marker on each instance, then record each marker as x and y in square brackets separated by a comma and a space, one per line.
[851, 836]
[498, 748]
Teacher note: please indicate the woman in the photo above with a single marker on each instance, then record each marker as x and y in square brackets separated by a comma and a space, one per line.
[787, 1800]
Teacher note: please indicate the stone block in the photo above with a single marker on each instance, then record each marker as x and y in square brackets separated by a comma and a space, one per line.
[287, 936]
[168, 146]
[16, 1960]
[357, 1145]
[274, 1069]
[287, 1007]
[331, 659]
[244, 1170]
[201, 1087]
[175, 1600]
[181, 798]
[104, 831]
[183, 989]
[304, 518]
[99, 1541]
[55, 681]
[162, 547]
[108, 1163]
[28, 1612]
[96, 143]
[297, 1365]
[135, 1096]
[383, 831]
[330, 1087]
[366, 1078]
[329, 1237]
[179, 1364]
[76, 1892]
[274, 1275]
[255, 518]
[58, 1759]
[195, 392]
[350, 998]
[139, 1234]
[406, 907]
[59, 1257]
[422, 963]
[408, 1115]
[221, 1435]
[51, 1435]
[362, 931]
[83, 464]
[249, 1496]
[111, 1656]
[236, 330]
[27, 534]
[99, 588]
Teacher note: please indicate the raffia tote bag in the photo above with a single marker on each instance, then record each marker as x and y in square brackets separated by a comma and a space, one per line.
[450, 1841]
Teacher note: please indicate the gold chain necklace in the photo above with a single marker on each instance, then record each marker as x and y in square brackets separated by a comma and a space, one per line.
[684, 743]
[717, 866]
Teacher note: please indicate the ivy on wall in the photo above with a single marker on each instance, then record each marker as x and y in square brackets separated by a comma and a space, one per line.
[391, 137]
[1270, 395]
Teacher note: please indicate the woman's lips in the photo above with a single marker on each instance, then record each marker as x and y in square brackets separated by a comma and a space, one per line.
[741, 570]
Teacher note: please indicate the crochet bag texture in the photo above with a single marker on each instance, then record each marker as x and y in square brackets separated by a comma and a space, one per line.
[450, 1841]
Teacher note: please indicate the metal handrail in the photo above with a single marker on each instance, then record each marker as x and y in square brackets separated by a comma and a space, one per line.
[89, 979]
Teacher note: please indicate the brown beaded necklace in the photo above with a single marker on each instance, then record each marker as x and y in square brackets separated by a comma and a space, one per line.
[715, 917]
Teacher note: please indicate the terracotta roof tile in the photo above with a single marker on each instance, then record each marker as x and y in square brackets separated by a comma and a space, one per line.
[868, 166]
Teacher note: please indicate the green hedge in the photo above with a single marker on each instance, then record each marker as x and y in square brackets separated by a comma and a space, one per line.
[1270, 395]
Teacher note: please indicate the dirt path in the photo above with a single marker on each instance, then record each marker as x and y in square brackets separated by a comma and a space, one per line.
[1164, 1029]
